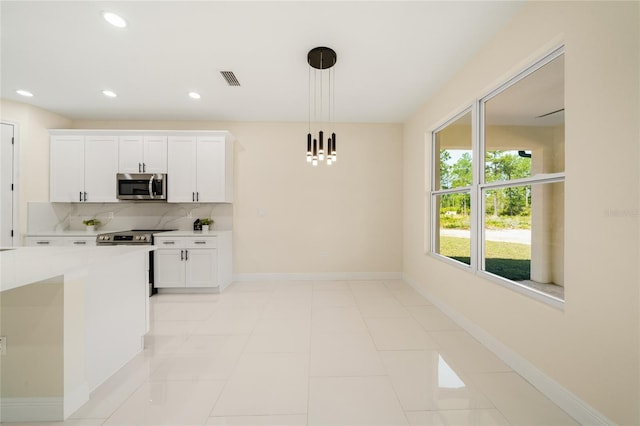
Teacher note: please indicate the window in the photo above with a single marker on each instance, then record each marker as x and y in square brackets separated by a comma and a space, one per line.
[497, 192]
[452, 183]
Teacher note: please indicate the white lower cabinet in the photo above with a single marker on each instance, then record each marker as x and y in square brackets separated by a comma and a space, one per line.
[186, 262]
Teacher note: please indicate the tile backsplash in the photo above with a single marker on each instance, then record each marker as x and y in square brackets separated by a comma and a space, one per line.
[45, 217]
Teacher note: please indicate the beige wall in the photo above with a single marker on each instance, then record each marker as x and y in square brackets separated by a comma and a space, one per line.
[592, 346]
[33, 140]
[290, 217]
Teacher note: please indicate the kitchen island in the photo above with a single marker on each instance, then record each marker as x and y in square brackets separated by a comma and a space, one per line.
[71, 318]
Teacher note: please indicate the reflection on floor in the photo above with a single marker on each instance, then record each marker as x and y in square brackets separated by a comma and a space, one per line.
[312, 353]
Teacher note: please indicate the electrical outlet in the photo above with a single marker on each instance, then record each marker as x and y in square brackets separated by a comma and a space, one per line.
[3, 345]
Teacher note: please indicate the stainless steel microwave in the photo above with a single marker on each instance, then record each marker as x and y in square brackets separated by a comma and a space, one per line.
[142, 186]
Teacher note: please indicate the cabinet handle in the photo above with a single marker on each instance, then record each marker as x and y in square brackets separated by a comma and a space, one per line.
[80, 196]
[197, 196]
[139, 167]
[199, 242]
[168, 242]
[144, 167]
[80, 242]
[186, 255]
[193, 196]
[181, 255]
[45, 243]
[85, 197]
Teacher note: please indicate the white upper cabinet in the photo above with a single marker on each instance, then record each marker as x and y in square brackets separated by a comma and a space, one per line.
[100, 169]
[84, 163]
[142, 154]
[200, 169]
[67, 169]
[83, 168]
[181, 177]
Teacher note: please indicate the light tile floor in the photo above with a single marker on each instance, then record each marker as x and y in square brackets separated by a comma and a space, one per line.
[312, 353]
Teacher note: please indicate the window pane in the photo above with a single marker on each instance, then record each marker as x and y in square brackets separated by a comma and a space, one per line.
[524, 235]
[453, 145]
[453, 237]
[524, 126]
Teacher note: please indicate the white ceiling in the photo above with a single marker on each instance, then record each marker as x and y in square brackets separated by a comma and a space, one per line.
[392, 56]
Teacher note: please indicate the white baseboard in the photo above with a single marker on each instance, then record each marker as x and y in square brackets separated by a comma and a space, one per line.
[569, 402]
[320, 276]
[31, 409]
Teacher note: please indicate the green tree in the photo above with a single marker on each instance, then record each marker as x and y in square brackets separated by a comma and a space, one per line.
[462, 175]
[501, 165]
[445, 169]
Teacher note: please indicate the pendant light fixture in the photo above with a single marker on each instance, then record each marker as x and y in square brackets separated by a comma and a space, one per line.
[321, 104]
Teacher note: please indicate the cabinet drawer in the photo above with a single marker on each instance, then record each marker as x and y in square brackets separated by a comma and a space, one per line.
[42, 241]
[81, 242]
[201, 242]
[169, 243]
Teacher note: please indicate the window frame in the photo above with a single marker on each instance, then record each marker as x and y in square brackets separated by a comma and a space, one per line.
[479, 185]
[433, 192]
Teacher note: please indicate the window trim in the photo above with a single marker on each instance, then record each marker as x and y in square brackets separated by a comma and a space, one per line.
[430, 246]
[478, 186]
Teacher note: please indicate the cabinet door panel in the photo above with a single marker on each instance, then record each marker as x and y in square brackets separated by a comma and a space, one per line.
[202, 268]
[211, 169]
[130, 154]
[155, 154]
[169, 268]
[67, 169]
[100, 168]
[181, 162]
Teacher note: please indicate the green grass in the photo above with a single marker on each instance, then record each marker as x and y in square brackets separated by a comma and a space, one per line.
[508, 260]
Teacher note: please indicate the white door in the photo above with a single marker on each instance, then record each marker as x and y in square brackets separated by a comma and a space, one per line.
[130, 154]
[100, 169]
[202, 268]
[169, 268]
[181, 162]
[7, 187]
[155, 154]
[67, 169]
[211, 169]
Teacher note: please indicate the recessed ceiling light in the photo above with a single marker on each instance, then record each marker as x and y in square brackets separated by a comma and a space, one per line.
[24, 93]
[109, 93]
[115, 20]
[194, 95]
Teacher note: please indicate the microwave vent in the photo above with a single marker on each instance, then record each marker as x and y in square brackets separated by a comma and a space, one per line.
[230, 78]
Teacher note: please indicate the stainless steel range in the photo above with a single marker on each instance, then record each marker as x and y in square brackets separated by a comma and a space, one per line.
[137, 237]
[133, 237]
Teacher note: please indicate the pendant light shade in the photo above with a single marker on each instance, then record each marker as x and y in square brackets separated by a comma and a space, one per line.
[321, 100]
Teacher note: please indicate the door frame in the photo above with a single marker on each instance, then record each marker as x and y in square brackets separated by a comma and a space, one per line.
[15, 225]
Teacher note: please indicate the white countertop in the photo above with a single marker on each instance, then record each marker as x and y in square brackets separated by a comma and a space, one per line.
[20, 266]
[210, 233]
[67, 233]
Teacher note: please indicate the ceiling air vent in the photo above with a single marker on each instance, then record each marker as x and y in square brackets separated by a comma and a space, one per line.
[230, 78]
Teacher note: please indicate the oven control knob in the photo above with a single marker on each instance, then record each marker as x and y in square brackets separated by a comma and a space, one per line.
[144, 237]
[137, 237]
